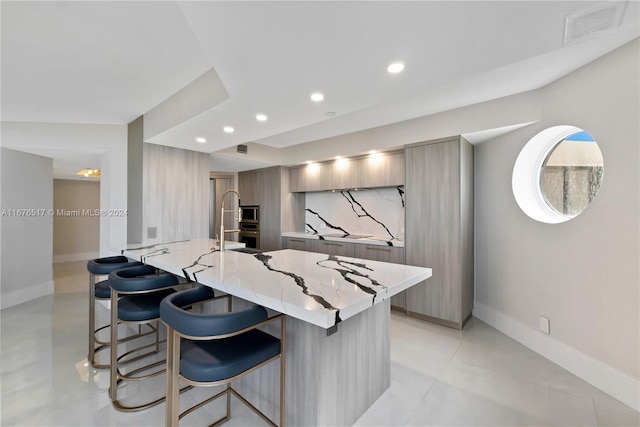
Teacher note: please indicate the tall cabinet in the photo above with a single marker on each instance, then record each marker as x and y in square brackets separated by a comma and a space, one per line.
[439, 229]
[280, 210]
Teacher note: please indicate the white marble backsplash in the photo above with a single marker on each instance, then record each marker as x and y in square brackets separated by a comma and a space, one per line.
[376, 212]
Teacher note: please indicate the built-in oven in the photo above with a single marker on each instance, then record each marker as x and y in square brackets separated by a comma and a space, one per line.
[251, 238]
[250, 214]
[250, 226]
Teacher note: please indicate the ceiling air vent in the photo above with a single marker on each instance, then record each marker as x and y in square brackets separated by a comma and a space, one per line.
[594, 21]
[243, 149]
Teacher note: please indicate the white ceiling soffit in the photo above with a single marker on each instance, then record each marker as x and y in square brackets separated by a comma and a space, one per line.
[93, 61]
[112, 61]
[228, 163]
[202, 94]
[489, 134]
[456, 53]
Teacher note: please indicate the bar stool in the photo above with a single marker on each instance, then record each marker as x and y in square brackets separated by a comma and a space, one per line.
[101, 291]
[216, 349]
[136, 293]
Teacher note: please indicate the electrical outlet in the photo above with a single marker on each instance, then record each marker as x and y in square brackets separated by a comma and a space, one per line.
[544, 325]
[151, 232]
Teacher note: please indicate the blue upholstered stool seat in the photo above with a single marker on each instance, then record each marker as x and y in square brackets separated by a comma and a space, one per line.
[103, 290]
[135, 308]
[106, 265]
[208, 361]
[141, 278]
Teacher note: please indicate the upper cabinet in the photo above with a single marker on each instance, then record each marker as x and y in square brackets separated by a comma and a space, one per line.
[379, 170]
[382, 170]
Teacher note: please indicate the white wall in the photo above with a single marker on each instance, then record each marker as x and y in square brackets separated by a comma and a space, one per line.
[109, 141]
[583, 274]
[27, 240]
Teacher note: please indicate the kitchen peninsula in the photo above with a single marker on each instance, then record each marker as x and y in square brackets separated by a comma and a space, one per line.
[338, 360]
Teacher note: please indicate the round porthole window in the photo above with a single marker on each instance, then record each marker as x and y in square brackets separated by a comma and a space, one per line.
[557, 174]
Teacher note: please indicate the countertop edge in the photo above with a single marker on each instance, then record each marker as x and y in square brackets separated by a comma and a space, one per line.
[363, 241]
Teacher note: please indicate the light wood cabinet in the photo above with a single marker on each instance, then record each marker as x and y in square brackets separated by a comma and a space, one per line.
[379, 253]
[297, 179]
[439, 229]
[279, 210]
[294, 243]
[331, 247]
[384, 170]
[339, 174]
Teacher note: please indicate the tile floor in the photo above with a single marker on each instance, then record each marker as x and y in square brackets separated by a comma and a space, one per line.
[439, 376]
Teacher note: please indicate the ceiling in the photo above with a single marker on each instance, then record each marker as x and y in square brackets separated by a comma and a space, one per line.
[109, 62]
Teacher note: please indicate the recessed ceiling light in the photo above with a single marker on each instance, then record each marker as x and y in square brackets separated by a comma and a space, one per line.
[261, 117]
[317, 97]
[228, 129]
[201, 140]
[395, 67]
[330, 113]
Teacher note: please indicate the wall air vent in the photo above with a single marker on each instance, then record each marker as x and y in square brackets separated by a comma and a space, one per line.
[243, 149]
[594, 21]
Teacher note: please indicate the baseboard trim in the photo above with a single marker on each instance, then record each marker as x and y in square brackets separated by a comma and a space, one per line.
[28, 293]
[611, 381]
[83, 256]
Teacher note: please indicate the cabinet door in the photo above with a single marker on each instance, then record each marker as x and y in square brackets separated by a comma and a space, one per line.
[382, 170]
[432, 192]
[297, 179]
[341, 174]
[331, 248]
[380, 253]
[294, 243]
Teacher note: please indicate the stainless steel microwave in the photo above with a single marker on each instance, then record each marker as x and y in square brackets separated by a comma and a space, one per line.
[250, 214]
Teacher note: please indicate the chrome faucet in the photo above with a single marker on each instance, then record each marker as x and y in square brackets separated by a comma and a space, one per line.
[222, 230]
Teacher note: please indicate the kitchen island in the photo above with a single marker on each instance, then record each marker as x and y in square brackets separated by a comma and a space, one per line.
[338, 356]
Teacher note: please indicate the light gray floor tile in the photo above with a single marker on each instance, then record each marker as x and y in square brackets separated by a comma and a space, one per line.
[439, 376]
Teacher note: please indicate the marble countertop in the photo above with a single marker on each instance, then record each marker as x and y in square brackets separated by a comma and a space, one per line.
[141, 252]
[317, 288]
[365, 240]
